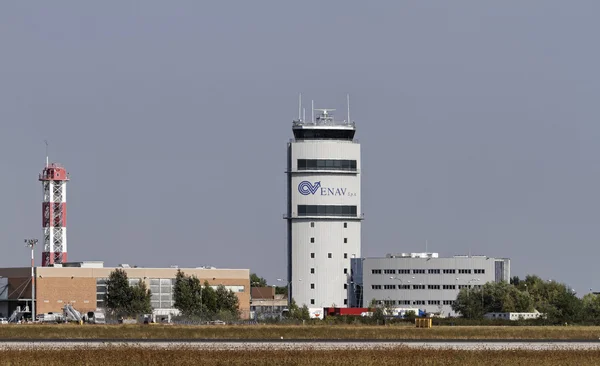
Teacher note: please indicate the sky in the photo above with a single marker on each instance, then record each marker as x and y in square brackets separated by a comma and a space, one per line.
[478, 122]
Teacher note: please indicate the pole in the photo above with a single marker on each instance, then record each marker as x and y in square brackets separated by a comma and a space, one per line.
[31, 243]
[32, 285]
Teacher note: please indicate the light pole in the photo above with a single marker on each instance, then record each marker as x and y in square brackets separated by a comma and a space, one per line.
[31, 243]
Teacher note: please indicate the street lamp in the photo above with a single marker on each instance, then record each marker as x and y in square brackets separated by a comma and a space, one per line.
[31, 243]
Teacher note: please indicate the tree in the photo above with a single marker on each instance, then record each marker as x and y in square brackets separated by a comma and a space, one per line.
[187, 294]
[256, 281]
[298, 313]
[140, 299]
[227, 301]
[123, 299]
[193, 299]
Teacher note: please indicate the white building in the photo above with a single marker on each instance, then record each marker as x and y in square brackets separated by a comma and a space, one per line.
[422, 280]
[324, 210]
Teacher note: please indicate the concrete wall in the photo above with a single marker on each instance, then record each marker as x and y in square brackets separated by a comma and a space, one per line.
[320, 280]
[404, 289]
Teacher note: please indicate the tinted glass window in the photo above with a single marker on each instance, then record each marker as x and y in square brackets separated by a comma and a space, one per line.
[326, 164]
[327, 210]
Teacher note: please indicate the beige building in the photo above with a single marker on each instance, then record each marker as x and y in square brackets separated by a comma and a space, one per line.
[83, 285]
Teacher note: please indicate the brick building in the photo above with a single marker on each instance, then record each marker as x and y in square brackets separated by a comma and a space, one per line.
[83, 285]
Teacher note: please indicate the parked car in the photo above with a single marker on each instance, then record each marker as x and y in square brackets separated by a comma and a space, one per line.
[3, 321]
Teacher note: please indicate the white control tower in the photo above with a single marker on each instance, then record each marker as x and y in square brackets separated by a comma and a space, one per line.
[324, 209]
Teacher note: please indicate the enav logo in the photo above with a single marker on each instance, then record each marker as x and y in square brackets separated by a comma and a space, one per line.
[306, 188]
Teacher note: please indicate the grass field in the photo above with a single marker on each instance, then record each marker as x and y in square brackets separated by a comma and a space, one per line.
[68, 331]
[399, 356]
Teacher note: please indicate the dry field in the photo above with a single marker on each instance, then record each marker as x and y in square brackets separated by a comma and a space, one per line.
[67, 331]
[398, 356]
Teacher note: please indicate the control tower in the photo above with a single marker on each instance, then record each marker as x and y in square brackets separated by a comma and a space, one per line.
[324, 209]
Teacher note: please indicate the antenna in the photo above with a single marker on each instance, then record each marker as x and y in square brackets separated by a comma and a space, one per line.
[313, 111]
[426, 243]
[46, 142]
[348, 102]
[299, 105]
[303, 114]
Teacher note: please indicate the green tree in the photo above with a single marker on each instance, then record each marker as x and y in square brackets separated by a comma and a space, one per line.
[187, 294]
[227, 301]
[193, 299]
[117, 292]
[123, 299]
[256, 281]
[140, 299]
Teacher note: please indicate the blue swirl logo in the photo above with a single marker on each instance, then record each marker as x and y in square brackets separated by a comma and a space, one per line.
[305, 187]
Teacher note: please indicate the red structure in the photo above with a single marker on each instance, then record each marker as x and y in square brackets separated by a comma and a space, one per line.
[54, 180]
[345, 311]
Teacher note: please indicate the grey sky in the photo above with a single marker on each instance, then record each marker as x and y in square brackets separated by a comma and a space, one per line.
[478, 122]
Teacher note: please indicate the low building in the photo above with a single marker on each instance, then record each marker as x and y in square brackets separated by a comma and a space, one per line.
[265, 302]
[421, 280]
[83, 285]
[514, 316]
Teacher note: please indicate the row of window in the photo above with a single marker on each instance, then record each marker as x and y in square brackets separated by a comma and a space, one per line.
[312, 270]
[429, 271]
[330, 255]
[312, 224]
[414, 302]
[312, 301]
[312, 286]
[327, 210]
[312, 240]
[326, 164]
[422, 287]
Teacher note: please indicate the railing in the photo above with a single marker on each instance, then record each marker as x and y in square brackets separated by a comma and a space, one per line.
[352, 141]
[296, 216]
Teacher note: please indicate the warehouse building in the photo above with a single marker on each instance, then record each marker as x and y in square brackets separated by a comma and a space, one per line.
[83, 285]
[421, 280]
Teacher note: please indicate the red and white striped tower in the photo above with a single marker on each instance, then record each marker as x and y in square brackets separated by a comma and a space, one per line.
[54, 180]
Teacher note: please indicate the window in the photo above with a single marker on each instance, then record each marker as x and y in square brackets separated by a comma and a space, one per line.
[389, 271]
[312, 286]
[326, 164]
[312, 301]
[403, 302]
[418, 271]
[312, 270]
[345, 240]
[375, 271]
[449, 287]
[389, 302]
[328, 255]
[434, 302]
[345, 255]
[312, 240]
[418, 287]
[448, 302]
[462, 286]
[479, 271]
[464, 271]
[447, 271]
[433, 287]
[345, 270]
[345, 301]
[434, 271]
[404, 271]
[404, 287]
[419, 302]
[312, 224]
[345, 286]
[312, 255]
[389, 287]
[345, 225]
[327, 210]
[376, 287]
